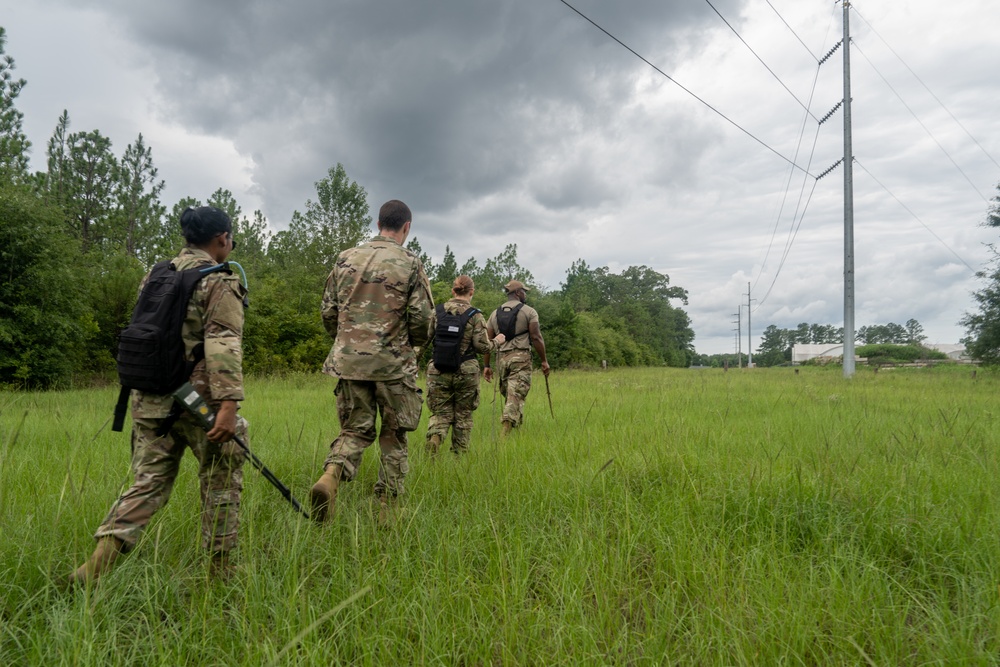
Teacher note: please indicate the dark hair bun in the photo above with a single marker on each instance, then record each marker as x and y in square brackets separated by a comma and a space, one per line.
[200, 225]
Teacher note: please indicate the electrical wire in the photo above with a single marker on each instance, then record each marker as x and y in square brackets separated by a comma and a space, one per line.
[926, 87]
[771, 71]
[915, 216]
[682, 87]
[921, 123]
[808, 50]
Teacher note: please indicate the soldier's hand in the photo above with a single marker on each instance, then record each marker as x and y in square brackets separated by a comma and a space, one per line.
[499, 339]
[545, 368]
[488, 374]
[225, 423]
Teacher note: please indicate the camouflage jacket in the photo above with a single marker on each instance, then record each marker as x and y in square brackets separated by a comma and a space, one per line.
[474, 338]
[215, 318]
[377, 307]
[525, 316]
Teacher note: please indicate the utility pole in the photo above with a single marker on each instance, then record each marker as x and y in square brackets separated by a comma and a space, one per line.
[739, 336]
[848, 205]
[749, 340]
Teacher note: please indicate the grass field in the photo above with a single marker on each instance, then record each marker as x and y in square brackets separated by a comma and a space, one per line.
[664, 516]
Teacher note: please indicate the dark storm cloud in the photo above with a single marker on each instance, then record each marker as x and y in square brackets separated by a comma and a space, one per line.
[445, 100]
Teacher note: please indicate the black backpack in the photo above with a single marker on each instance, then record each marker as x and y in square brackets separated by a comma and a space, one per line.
[507, 321]
[150, 349]
[448, 339]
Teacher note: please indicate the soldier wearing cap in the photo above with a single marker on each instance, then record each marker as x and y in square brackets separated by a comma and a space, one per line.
[214, 320]
[519, 323]
[377, 307]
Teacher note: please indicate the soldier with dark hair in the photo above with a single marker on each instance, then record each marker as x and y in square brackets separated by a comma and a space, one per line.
[377, 307]
[453, 389]
[519, 322]
[212, 333]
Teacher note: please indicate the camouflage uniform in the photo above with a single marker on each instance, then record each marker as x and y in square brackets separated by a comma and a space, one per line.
[514, 362]
[377, 306]
[452, 397]
[215, 319]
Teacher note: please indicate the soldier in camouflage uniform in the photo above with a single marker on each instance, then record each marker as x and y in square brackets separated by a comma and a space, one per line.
[215, 320]
[377, 307]
[452, 397]
[515, 354]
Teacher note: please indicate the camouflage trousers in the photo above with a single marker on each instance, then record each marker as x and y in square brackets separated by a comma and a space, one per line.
[155, 463]
[515, 383]
[398, 403]
[452, 398]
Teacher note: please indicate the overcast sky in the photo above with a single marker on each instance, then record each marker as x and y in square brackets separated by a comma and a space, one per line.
[520, 122]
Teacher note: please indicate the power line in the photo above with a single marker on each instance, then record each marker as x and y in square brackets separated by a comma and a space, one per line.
[915, 217]
[788, 247]
[682, 87]
[931, 92]
[921, 123]
[808, 50]
[776, 77]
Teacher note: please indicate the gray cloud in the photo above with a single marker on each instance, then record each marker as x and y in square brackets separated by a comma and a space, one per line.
[503, 122]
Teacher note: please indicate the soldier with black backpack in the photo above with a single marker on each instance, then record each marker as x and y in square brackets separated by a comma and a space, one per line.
[187, 326]
[460, 336]
[519, 323]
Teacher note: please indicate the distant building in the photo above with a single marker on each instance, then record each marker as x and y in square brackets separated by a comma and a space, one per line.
[802, 352]
[955, 351]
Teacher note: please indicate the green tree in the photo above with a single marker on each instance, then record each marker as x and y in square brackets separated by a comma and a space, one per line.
[983, 325]
[775, 347]
[14, 143]
[581, 286]
[44, 317]
[91, 184]
[501, 269]
[413, 245]
[55, 183]
[337, 220]
[140, 214]
[447, 270]
[914, 332]
[254, 236]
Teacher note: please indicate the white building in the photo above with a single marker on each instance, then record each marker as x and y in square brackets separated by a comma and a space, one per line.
[802, 352]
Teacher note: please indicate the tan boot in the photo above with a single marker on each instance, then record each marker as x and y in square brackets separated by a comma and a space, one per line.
[105, 554]
[324, 493]
[385, 512]
[507, 427]
[433, 444]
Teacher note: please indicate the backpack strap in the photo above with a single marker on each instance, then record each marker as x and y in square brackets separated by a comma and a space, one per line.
[120, 409]
[466, 316]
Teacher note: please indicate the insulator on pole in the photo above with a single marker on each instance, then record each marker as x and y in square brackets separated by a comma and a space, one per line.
[830, 52]
[830, 168]
[831, 112]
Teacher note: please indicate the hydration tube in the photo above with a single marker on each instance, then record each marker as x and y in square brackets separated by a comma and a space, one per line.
[224, 267]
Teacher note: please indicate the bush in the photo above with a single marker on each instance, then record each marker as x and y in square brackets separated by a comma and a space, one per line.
[896, 354]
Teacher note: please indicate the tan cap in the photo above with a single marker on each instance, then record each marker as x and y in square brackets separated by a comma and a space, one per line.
[515, 285]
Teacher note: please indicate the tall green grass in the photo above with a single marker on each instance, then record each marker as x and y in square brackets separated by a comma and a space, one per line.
[663, 517]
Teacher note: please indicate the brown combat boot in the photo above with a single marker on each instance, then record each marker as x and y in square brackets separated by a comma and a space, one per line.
[105, 554]
[507, 427]
[220, 567]
[433, 444]
[324, 493]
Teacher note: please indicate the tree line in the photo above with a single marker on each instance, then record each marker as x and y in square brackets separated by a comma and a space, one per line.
[76, 238]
